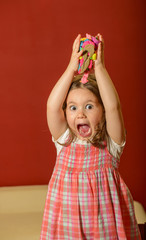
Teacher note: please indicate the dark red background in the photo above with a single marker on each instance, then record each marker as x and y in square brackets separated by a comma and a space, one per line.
[35, 47]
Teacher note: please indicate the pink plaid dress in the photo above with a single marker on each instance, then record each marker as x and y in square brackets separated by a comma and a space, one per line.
[87, 199]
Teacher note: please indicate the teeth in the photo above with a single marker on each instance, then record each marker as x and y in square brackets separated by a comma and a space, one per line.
[84, 130]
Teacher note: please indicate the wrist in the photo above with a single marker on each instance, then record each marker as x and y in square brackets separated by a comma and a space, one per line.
[70, 69]
[100, 70]
[99, 66]
[69, 72]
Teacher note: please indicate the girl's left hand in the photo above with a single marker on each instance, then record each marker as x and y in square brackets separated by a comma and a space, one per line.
[100, 52]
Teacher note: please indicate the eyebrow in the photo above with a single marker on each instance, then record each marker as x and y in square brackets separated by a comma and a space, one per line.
[71, 102]
[90, 101]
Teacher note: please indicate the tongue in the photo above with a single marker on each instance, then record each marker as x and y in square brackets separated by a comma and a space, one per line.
[84, 130]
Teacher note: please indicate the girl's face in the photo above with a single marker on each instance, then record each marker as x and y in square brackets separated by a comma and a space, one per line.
[83, 112]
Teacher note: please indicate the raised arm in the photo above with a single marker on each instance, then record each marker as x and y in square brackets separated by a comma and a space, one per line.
[55, 115]
[113, 113]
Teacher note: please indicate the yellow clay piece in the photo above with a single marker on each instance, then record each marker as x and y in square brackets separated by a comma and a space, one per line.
[94, 56]
[82, 39]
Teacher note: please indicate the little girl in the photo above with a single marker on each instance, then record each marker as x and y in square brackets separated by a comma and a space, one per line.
[87, 199]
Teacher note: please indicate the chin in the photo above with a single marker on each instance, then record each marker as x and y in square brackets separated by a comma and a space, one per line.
[84, 138]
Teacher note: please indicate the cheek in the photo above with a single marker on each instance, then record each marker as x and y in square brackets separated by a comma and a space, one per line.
[97, 117]
[69, 118]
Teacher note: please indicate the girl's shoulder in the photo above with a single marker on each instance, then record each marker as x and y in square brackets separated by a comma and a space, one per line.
[113, 148]
[61, 140]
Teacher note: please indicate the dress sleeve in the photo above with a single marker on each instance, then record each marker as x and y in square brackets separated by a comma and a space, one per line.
[114, 148]
[61, 140]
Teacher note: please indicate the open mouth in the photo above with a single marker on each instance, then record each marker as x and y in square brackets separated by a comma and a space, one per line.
[84, 130]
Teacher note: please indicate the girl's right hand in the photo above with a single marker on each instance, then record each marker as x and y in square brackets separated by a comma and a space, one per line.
[76, 54]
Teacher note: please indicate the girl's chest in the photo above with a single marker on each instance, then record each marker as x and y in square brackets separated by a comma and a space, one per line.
[85, 157]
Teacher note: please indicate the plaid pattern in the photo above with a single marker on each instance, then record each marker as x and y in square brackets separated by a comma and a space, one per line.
[87, 199]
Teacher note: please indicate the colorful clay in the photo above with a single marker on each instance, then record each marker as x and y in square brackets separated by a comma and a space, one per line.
[89, 45]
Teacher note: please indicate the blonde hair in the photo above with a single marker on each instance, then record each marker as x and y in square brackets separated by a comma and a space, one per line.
[91, 85]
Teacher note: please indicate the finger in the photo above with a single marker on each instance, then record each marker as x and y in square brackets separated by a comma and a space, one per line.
[77, 46]
[80, 53]
[101, 39]
[97, 36]
[99, 50]
[76, 43]
[99, 53]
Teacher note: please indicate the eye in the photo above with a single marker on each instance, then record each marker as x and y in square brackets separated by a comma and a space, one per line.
[89, 106]
[72, 108]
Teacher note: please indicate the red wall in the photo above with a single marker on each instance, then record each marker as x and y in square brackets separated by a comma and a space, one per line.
[35, 47]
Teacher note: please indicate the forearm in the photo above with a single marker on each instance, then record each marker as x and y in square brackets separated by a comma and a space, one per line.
[113, 114]
[59, 92]
[107, 89]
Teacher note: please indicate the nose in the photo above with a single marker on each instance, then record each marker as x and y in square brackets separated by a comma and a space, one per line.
[81, 114]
